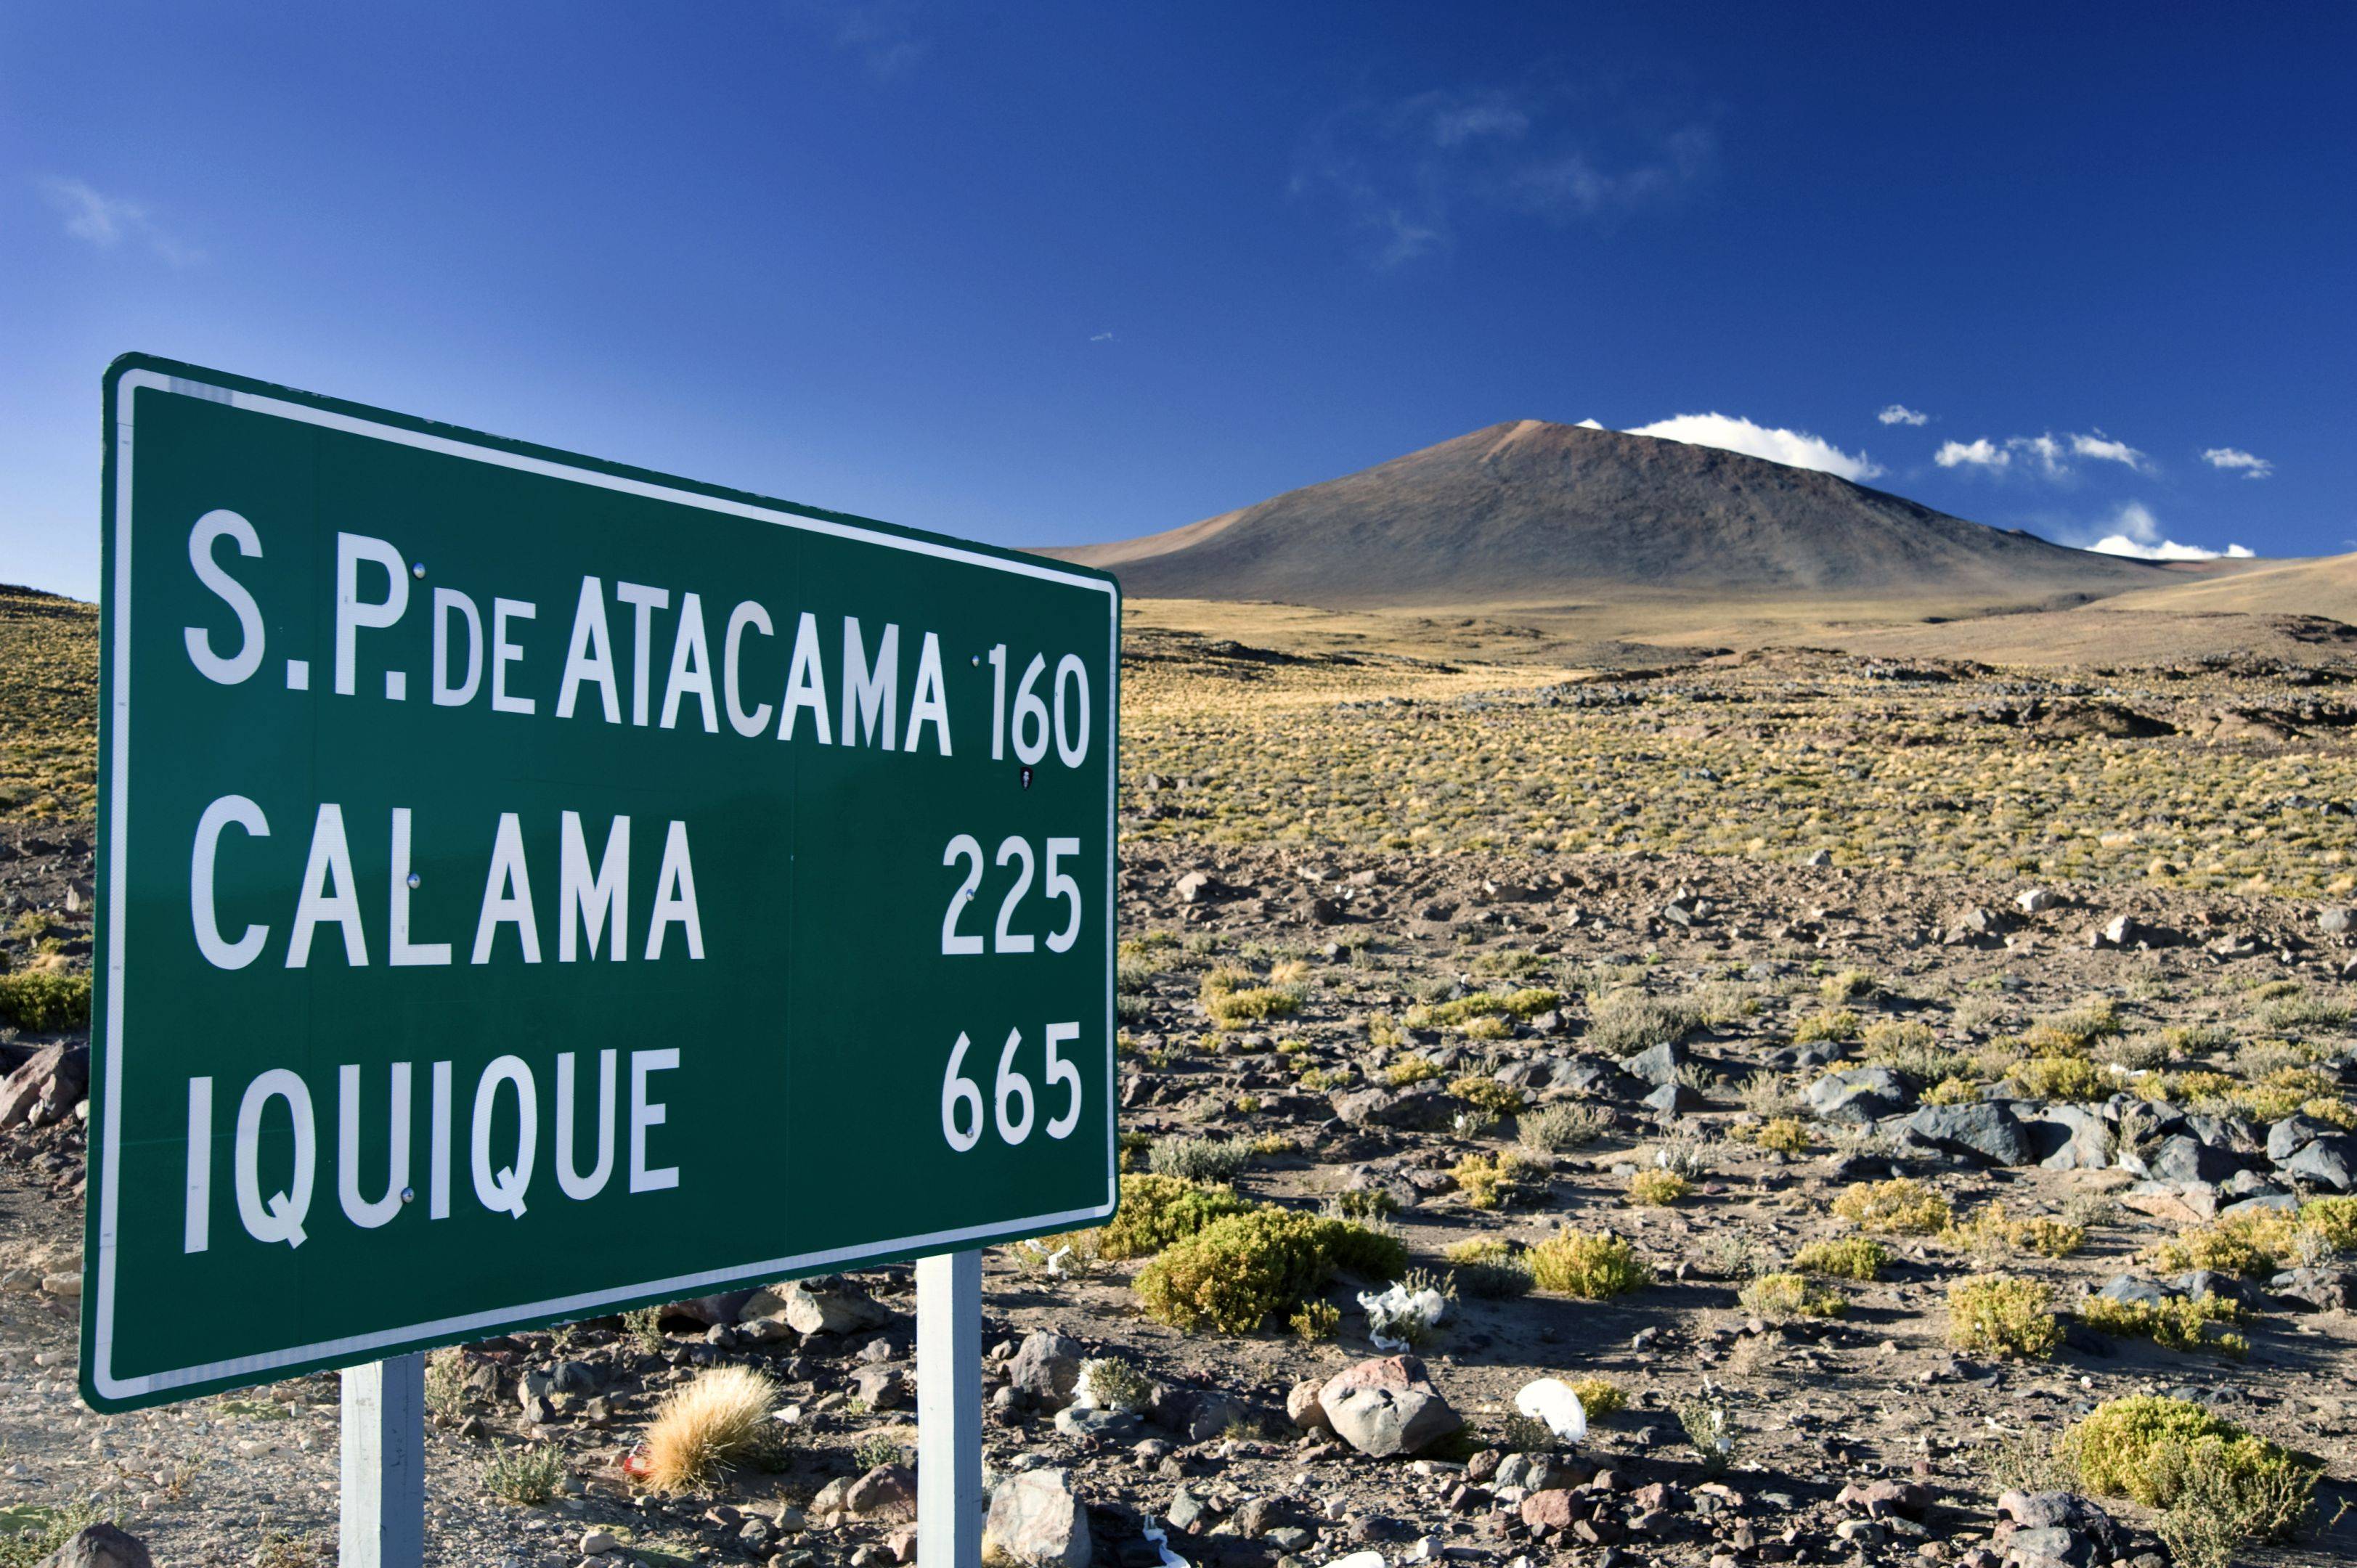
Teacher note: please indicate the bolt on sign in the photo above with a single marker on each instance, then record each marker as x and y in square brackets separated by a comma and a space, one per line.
[533, 888]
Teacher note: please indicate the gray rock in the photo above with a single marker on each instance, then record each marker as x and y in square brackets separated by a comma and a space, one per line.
[2328, 1161]
[1861, 1094]
[1099, 1425]
[2335, 921]
[2036, 901]
[2077, 1139]
[1658, 1066]
[836, 1307]
[100, 1546]
[1671, 1099]
[887, 1491]
[884, 1388]
[1046, 1366]
[2183, 1159]
[1036, 1520]
[2293, 1133]
[1387, 1407]
[1201, 887]
[1410, 1110]
[46, 1087]
[2129, 1288]
[1986, 1130]
[1538, 1472]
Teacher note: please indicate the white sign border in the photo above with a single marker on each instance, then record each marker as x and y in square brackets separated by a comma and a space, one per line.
[117, 786]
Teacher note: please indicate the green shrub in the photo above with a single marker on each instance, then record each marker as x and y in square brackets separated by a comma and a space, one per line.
[1839, 1023]
[1409, 1070]
[1851, 1258]
[1235, 1273]
[1493, 1181]
[1156, 1210]
[1600, 1398]
[2182, 1322]
[1899, 1206]
[1200, 1159]
[1655, 1188]
[1779, 1298]
[1588, 1266]
[526, 1476]
[1489, 1266]
[2003, 1314]
[1468, 1011]
[2062, 1077]
[1623, 1023]
[1486, 1093]
[2249, 1244]
[1561, 1127]
[2145, 1448]
[45, 1002]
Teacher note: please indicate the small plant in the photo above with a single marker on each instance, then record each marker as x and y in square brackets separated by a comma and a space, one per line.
[1624, 1022]
[2183, 1323]
[1851, 1258]
[1708, 1429]
[1489, 1266]
[1362, 1203]
[1410, 1070]
[1600, 1398]
[2003, 1314]
[1198, 1159]
[1784, 1135]
[1315, 1320]
[1657, 1188]
[644, 1326]
[1487, 1094]
[1156, 1210]
[1108, 1383]
[1490, 1007]
[1991, 1231]
[1493, 1181]
[446, 1386]
[705, 1427]
[1233, 1274]
[1899, 1206]
[875, 1450]
[2253, 1244]
[2062, 1077]
[1848, 985]
[2147, 1447]
[527, 1474]
[2031, 1460]
[1560, 1128]
[1234, 1003]
[1589, 1266]
[44, 1001]
[1830, 1027]
[1780, 1298]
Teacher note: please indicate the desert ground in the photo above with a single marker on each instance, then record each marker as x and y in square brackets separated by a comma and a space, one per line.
[1857, 1053]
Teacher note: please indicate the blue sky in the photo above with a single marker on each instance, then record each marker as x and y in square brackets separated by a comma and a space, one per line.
[1053, 272]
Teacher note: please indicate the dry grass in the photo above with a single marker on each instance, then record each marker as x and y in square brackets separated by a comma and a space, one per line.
[705, 1427]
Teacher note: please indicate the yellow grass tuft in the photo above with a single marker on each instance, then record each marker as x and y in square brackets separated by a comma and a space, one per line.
[703, 1428]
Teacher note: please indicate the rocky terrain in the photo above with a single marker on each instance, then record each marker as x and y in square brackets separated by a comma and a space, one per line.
[1854, 1080]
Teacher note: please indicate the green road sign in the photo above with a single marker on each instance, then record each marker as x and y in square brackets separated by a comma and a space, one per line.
[531, 887]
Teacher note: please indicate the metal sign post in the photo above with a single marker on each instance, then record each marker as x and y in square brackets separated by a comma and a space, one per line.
[949, 1411]
[383, 1457]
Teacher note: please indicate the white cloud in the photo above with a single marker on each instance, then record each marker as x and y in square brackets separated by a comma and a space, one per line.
[1101, 338]
[107, 221]
[1408, 174]
[2136, 533]
[2042, 450]
[2235, 458]
[2047, 456]
[1795, 448]
[1900, 413]
[1980, 454]
[2104, 449]
[1590, 425]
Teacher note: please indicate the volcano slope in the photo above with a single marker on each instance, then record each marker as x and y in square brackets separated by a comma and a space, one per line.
[1532, 515]
[1615, 1006]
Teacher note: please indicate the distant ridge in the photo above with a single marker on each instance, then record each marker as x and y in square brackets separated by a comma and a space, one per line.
[1531, 513]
